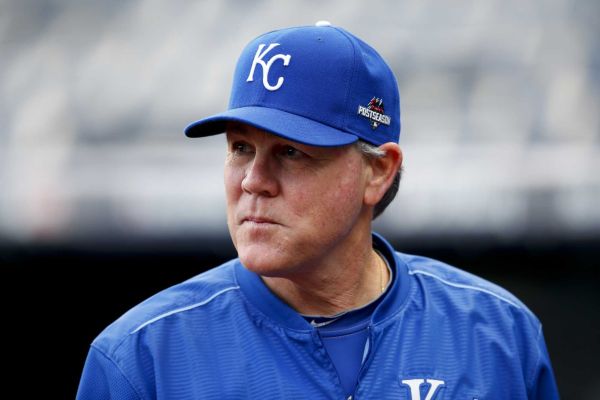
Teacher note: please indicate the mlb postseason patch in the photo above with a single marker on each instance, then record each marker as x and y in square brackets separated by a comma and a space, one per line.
[375, 113]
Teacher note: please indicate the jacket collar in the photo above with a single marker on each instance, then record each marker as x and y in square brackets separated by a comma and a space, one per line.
[261, 297]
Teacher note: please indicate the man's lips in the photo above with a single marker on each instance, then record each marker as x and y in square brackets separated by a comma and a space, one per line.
[258, 220]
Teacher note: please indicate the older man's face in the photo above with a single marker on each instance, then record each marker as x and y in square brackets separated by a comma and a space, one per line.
[289, 205]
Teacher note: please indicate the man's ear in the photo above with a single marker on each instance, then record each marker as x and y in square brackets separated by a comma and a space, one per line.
[383, 171]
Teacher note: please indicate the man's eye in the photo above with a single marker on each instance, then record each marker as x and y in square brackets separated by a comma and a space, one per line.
[291, 152]
[240, 147]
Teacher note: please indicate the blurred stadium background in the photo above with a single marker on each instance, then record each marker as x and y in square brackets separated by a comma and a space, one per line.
[103, 201]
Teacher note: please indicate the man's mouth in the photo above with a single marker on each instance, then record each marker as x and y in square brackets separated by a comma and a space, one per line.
[258, 220]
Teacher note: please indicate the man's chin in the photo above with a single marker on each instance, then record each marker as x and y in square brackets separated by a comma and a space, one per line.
[263, 263]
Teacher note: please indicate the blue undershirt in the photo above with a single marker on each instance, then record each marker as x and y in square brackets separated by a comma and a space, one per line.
[345, 337]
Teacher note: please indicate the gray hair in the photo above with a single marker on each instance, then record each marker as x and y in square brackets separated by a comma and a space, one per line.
[370, 151]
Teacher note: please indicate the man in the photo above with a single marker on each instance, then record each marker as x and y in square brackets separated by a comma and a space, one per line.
[317, 306]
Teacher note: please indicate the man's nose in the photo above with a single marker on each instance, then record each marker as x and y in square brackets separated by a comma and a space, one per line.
[260, 177]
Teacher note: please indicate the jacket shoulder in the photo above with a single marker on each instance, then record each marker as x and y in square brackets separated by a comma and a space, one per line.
[189, 294]
[460, 283]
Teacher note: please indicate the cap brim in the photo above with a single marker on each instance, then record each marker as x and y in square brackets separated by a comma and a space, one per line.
[281, 123]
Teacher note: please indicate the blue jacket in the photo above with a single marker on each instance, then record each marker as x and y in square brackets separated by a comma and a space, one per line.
[439, 333]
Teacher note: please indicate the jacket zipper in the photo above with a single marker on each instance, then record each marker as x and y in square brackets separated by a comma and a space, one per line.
[366, 360]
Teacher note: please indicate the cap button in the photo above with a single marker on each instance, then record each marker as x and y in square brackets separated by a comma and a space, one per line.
[323, 23]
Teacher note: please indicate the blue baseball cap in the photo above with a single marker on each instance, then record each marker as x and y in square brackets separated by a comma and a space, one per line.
[318, 85]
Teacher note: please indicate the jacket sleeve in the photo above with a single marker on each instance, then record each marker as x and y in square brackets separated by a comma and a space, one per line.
[543, 384]
[103, 379]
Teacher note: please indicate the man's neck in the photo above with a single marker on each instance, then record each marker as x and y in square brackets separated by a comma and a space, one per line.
[335, 286]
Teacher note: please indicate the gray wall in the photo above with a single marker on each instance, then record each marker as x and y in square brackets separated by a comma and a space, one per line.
[500, 113]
